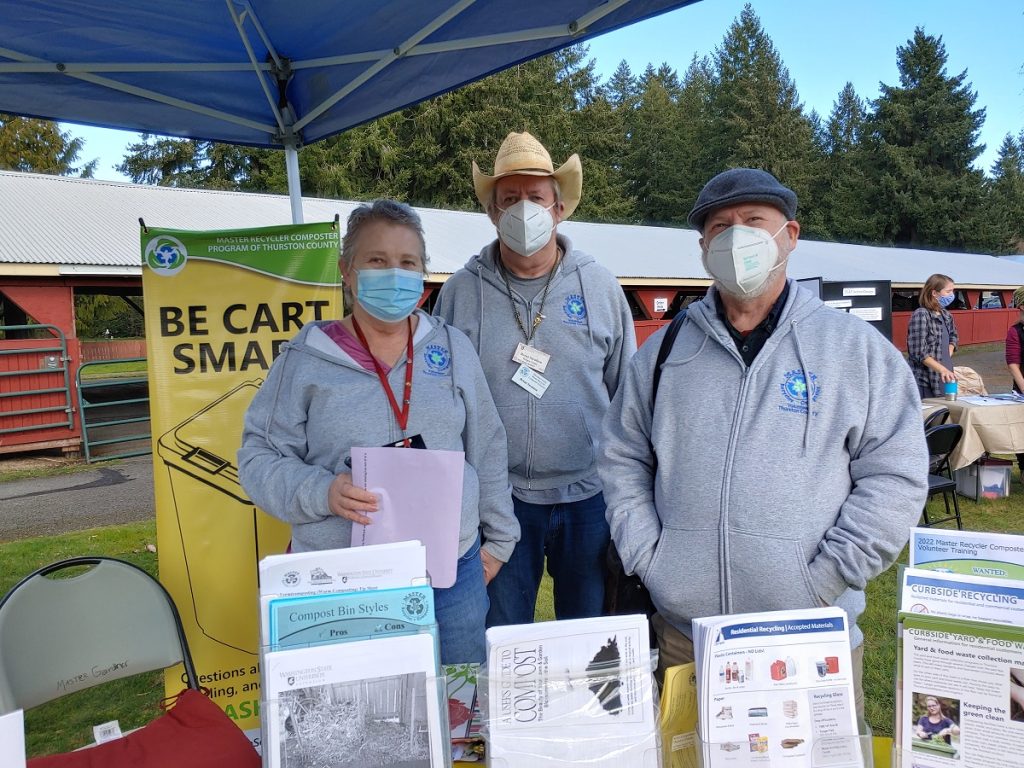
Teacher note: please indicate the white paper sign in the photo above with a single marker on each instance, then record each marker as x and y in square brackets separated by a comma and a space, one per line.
[867, 313]
[12, 739]
[858, 291]
[661, 304]
[838, 303]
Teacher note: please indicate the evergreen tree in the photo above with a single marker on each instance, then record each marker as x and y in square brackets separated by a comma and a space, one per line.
[39, 146]
[923, 135]
[758, 117]
[1005, 230]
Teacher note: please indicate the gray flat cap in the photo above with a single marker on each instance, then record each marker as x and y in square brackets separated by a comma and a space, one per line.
[741, 185]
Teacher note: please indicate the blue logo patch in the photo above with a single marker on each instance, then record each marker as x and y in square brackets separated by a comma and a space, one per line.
[438, 359]
[796, 392]
[575, 309]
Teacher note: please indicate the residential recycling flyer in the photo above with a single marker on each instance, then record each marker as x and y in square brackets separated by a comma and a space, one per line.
[218, 306]
[962, 693]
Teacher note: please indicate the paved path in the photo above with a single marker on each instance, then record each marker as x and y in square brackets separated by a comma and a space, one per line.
[103, 495]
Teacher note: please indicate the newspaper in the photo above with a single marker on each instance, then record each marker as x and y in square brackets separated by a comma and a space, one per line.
[574, 692]
[961, 695]
[777, 689]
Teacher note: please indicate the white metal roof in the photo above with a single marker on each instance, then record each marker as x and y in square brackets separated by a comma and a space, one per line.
[84, 226]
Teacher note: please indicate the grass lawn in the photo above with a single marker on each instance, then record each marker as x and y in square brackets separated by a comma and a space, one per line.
[114, 369]
[67, 723]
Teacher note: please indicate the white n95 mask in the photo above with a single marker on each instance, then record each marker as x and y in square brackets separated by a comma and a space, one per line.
[741, 259]
[526, 227]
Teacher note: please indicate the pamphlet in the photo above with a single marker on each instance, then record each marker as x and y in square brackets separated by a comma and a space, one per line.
[777, 689]
[318, 619]
[961, 696]
[464, 712]
[957, 596]
[679, 717]
[352, 705]
[574, 692]
[997, 555]
[420, 497]
[12, 739]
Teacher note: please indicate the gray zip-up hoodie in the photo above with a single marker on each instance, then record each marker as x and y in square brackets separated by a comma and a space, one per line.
[587, 330]
[750, 500]
[317, 403]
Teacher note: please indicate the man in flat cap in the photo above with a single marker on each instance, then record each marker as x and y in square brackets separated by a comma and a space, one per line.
[782, 461]
[554, 334]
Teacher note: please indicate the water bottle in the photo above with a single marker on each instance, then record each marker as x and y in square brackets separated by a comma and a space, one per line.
[950, 389]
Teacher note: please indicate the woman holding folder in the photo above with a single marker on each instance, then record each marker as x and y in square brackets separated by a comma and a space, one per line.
[387, 374]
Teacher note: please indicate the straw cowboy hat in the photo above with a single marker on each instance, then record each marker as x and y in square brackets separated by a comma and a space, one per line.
[522, 154]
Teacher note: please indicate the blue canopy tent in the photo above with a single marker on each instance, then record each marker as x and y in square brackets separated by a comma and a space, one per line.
[272, 73]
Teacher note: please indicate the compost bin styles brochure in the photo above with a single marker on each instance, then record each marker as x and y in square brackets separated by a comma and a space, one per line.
[576, 692]
[777, 690]
[351, 705]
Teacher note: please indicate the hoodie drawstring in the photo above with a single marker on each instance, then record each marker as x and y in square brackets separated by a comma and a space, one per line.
[807, 385]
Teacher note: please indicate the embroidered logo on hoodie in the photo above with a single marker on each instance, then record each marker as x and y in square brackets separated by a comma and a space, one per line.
[438, 360]
[796, 391]
[575, 310]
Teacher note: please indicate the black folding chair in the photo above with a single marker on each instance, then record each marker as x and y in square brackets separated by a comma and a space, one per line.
[942, 440]
[936, 418]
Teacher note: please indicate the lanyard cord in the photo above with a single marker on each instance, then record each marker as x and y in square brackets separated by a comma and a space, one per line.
[401, 414]
[540, 312]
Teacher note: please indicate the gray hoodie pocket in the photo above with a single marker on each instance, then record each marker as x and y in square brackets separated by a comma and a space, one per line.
[515, 418]
[768, 573]
[562, 444]
[683, 575]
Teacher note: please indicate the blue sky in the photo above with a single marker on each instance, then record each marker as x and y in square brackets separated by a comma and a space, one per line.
[823, 43]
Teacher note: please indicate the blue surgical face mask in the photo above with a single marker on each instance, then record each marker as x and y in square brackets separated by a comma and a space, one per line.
[390, 295]
[945, 301]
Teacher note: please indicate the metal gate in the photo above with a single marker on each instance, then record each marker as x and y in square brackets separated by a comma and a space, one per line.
[36, 405]
[110, 408]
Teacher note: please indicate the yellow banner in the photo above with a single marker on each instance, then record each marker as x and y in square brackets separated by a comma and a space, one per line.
[218, 306]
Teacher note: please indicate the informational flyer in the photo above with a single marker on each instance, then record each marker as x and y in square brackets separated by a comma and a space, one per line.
[961, 702]
[574, 692]
[997, 555]
[12, 739]
[958, 596]
[352, 705]
[777, 690]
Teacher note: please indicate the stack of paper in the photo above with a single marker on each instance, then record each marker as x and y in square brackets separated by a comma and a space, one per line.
[566, 693]
[371, 702]
[960, 681]
[776, 689]
[350, 664]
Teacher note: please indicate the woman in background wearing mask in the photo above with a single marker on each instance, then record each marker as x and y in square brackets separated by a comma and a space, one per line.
[932, 336]
[386, 374]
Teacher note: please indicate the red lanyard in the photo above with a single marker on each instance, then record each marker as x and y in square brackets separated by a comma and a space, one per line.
[401, 414]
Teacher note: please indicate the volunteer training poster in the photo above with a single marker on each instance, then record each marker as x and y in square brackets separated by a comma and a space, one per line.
[218, 306]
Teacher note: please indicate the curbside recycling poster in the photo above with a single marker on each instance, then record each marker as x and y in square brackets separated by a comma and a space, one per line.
[218, 305]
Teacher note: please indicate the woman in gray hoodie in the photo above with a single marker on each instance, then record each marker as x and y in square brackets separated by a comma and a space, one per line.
[385, 374]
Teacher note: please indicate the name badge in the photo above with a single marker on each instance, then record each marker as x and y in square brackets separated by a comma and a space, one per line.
[531, 381]
[531, 356]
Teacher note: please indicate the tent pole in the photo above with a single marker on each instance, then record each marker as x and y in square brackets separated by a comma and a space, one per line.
[291, 163]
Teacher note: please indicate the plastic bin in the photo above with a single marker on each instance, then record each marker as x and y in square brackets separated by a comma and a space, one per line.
[987, 478]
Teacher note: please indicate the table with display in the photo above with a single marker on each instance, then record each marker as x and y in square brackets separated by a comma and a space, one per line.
[990, 426]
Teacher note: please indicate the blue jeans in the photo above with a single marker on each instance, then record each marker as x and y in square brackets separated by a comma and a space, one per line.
[460, 611]
[574, 536]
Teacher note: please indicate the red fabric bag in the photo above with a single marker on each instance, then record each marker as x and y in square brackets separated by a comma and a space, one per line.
[193, 732]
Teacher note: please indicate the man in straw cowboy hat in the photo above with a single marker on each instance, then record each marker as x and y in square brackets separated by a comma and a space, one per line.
[554, 333]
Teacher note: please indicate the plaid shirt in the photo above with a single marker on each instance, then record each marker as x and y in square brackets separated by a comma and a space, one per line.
[924, 339]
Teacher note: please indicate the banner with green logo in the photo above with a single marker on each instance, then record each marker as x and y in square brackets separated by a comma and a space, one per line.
[218, 307]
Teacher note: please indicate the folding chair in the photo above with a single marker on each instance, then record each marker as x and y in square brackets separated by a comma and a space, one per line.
[942, 440]
[936, 418]
[113, 620]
